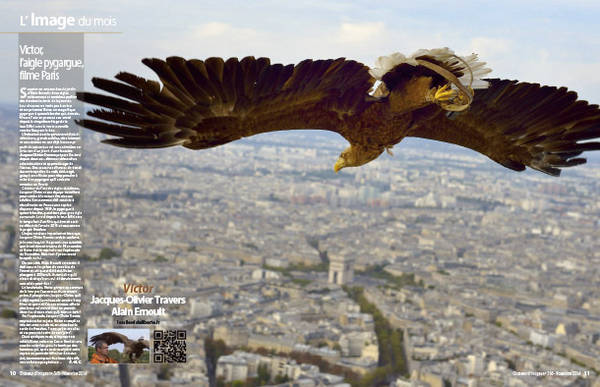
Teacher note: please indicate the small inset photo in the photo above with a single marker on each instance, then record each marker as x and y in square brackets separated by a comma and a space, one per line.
[112, 346]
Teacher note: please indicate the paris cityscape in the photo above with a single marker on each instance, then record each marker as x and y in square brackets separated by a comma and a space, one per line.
[433, 266]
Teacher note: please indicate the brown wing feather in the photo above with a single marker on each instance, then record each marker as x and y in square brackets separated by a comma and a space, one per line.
[208, 103]
[521, 124]
[110, 338]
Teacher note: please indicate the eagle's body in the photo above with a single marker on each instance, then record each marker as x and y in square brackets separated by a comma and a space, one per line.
[131, 348]
[433, 94]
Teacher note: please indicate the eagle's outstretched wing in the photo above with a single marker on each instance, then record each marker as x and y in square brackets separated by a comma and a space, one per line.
[521, 124]
[208, 103]
[110, 338]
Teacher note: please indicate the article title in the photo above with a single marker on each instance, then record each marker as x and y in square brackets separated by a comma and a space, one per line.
[62, 22]
[33, 68]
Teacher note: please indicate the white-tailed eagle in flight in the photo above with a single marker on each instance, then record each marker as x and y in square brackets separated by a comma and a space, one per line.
[432, 94]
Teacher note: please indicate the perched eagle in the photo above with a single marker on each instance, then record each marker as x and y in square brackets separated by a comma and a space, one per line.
[432, 94]
[131, 348]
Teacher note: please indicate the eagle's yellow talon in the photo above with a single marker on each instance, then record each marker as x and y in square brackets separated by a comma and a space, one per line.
[443, 94]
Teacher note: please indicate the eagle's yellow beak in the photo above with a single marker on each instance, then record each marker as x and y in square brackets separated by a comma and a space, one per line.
[339, 164]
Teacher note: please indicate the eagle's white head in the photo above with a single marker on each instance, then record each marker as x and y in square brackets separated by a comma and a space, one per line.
[356, 155]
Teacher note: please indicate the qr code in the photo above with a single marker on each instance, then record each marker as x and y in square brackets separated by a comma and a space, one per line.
[169, 346]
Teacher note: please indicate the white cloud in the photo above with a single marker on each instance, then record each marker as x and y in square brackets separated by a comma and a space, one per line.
[578, 76]
[223, 31]
[487, 47]
[361, 32]
[216, 29]
[215, 39]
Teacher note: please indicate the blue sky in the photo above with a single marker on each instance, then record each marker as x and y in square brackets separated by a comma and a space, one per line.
[551, 42]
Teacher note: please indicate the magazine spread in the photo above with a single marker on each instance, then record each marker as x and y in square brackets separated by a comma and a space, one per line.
[299, 194]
